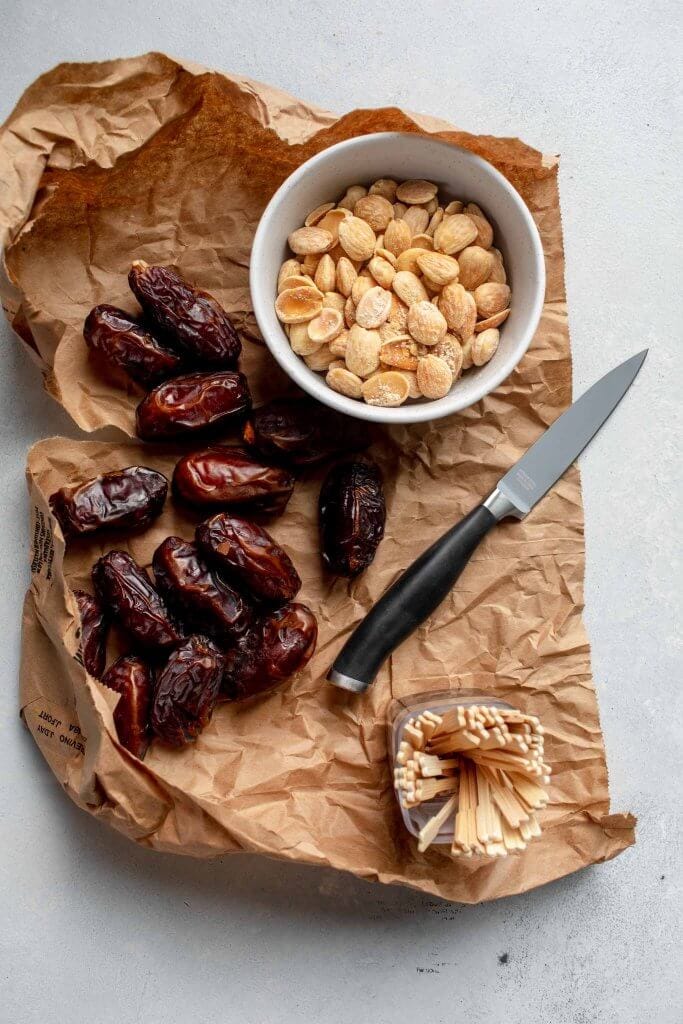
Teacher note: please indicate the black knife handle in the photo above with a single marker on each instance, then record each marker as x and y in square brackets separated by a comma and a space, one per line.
[408, 602]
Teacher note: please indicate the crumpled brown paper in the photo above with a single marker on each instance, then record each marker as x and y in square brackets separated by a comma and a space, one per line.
[152, 158]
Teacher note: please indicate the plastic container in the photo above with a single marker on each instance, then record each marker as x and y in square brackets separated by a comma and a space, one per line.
[400, 711]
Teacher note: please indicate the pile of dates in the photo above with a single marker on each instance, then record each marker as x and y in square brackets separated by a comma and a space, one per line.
[219, 621]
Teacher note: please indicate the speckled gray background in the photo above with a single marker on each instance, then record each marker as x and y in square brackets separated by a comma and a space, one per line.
[93, 928]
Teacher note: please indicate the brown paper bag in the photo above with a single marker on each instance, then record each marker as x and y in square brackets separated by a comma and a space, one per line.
[164, 161]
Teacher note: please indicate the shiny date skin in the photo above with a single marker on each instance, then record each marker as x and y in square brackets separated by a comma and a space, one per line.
[247, 553]
[189, 315]
[94, 627]
[130, 498]
[132, 678]
[232, 477]
[198, 596]
[186, 692]
[125, 589]
[275, 647]
[302, 432]
[195, 402]
[121, 340]
[352, 514]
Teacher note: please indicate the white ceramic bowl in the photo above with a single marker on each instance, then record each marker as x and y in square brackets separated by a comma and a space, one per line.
[459, 174]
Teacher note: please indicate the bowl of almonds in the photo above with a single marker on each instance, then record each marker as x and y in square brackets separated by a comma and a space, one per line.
[397, 278]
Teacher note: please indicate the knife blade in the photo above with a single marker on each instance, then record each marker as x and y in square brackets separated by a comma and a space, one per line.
[423, 586]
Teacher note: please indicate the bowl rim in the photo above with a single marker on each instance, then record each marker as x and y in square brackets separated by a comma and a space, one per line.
[419, 412]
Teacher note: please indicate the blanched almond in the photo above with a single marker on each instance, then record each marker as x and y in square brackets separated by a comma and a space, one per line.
[455, 305]
[305, 241]
[310, 262]
[346, 275]
[297, 281]
[362, 351]
[361, 285]
[413, 389]
[435, 220]
[484, 229]
[438, 267]
[423, 241]
[401, 353]
[350, 312]
[384, 187]
[398, 315]
[297, 305]
[467, 353]
[373, 308]
[416, 218]
[467, 327]
[484, 346]
[497, 275]
[454, 233]
[325, 274]
[325, 326]
[356, 238]
[346, 383]
[338, 345]
[320, 360]
[492, 321]
[491, 299]
[417, 190]
[300, 341]
[332, 220]
[351, 197]
[333, 300]
[475, 266]
[399, 209]
[432, 288]
[408, 260]
[382, 271]
[450, 350]
[434, 377]
[385, 255]
[397, 237]
[426, 324]
[408, 287]
[318, 214]
[290, 268]
[386, 389]
[374, 210]
[455, 207]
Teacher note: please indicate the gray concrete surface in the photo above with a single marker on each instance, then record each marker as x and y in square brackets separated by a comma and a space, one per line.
[94, 929]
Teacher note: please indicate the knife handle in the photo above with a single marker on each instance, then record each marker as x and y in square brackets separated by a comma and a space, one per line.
[409, 601]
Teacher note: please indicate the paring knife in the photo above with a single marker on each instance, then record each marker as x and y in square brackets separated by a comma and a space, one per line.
[425, 584]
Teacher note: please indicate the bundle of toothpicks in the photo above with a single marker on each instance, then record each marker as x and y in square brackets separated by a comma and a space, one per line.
[487, 763]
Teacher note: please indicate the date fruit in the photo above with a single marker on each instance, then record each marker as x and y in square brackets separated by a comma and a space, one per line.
[132, 678]
[121, 340]
[302, 432]
[231, 476]
[352, 516]
[191, 316]
[273, 648]
[198, 596]
[194, 402]
[125, 589]
[94, 626]
[248, 554]
[130, 498]
[187, 691]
